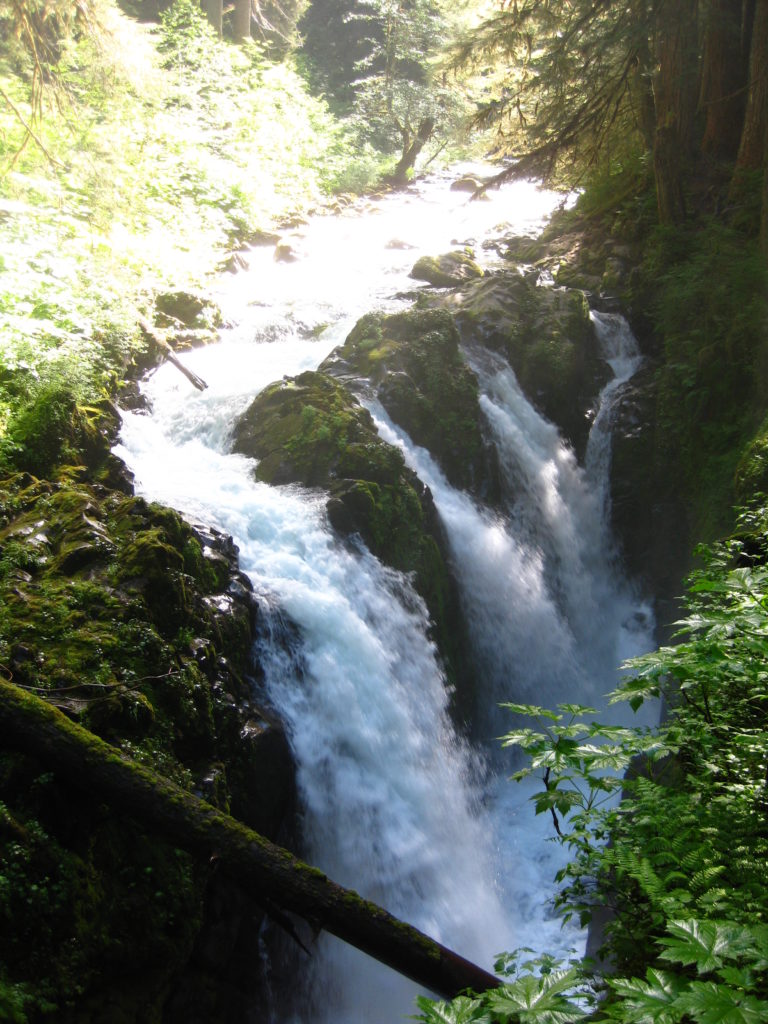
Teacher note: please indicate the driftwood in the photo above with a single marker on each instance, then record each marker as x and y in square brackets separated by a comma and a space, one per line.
[170, 355]
[32, 726]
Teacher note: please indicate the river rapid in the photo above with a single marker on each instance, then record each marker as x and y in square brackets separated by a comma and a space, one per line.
[393, 803]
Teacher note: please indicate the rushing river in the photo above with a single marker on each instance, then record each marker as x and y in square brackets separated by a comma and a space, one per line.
[393, 803]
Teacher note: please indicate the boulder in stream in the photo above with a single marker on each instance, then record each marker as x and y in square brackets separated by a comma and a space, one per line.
[311, 430]
[447, 271]
[414, 362]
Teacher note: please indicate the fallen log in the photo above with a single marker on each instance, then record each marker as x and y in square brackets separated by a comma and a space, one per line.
[32, 726]
[170, 355]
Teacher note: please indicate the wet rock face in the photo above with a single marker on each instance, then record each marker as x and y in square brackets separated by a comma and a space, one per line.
[548, 338]
[414, 362]
[140, 627]
[312, 430]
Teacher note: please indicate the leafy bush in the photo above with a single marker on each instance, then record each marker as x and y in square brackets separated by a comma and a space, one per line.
[680, 860]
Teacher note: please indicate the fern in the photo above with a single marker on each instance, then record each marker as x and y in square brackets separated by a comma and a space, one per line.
[681, 860]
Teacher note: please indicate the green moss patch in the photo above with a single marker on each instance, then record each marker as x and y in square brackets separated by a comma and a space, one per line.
[118, 612]
[415, 362]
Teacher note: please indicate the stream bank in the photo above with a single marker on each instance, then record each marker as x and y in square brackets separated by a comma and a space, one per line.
[186, 613]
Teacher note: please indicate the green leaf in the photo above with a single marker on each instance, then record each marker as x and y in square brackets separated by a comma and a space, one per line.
[653, 1001]
[462, 1010]
[541, 1000]
[710, 1003]
[704, 944]
[532, 710]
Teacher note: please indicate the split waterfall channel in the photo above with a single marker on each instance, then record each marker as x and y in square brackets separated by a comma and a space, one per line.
[393, 802]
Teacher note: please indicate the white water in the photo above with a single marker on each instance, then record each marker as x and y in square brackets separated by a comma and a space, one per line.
[390, 804]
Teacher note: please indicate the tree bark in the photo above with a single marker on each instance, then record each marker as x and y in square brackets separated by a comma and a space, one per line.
[410, 153]
[214, 12]
[675, 91]
[31, 726]
[764, 209]
[723, 80]
[242, 22]
[750, 156]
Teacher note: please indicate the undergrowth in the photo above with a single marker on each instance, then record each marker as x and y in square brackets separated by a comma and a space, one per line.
[680, 860]
[151, 153]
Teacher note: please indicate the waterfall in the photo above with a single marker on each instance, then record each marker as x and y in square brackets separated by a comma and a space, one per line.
[550, 615]
[389, 804]
[393, 803]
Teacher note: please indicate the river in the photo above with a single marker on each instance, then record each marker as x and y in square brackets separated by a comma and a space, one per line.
[393, 802]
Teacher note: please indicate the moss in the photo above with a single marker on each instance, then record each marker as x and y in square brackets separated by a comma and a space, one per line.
[99, 916]
[311, 430]
[424, 384]
[300, 429]
[448, 270]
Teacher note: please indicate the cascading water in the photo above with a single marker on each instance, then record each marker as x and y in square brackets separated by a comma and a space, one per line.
[389, 795]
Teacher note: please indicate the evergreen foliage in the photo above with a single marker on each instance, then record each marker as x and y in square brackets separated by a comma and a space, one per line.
[589, 84]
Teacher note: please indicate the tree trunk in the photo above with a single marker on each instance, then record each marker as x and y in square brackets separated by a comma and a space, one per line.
[242, 22]
[642, 95]
[675, 99]
[214, 10]
[30, 725]
[764, 212]
[751, 147]
[723, 80]
[410, 153]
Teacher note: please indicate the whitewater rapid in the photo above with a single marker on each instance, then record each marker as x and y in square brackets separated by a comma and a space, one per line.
[393, 803]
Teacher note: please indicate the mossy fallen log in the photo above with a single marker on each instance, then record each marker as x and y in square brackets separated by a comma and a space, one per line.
[31, 726]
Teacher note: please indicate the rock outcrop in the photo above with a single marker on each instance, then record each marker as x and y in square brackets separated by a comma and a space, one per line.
[414, 364]
[548, 338]
[312, 430]
[140, 627]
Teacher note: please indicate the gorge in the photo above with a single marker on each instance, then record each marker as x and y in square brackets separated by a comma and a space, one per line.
[402, 792]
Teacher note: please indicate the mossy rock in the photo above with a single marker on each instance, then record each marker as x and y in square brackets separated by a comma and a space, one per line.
[447, 271]
[301, 429]
[312, 430]
[141, 628]
[49, 432]
[186, 309]
[549, 340]
[423, 382]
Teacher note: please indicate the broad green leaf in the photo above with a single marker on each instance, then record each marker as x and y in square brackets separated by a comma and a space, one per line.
[461, 1010]
[540, 1000]
[704, 944]
[577, 709]
[653, 1001]
[709, 1003]
[533, 710]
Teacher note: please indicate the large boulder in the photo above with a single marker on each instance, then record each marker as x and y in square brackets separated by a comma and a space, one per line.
[447, 271]
[414, 362]
[547, 336]
[312, 430]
